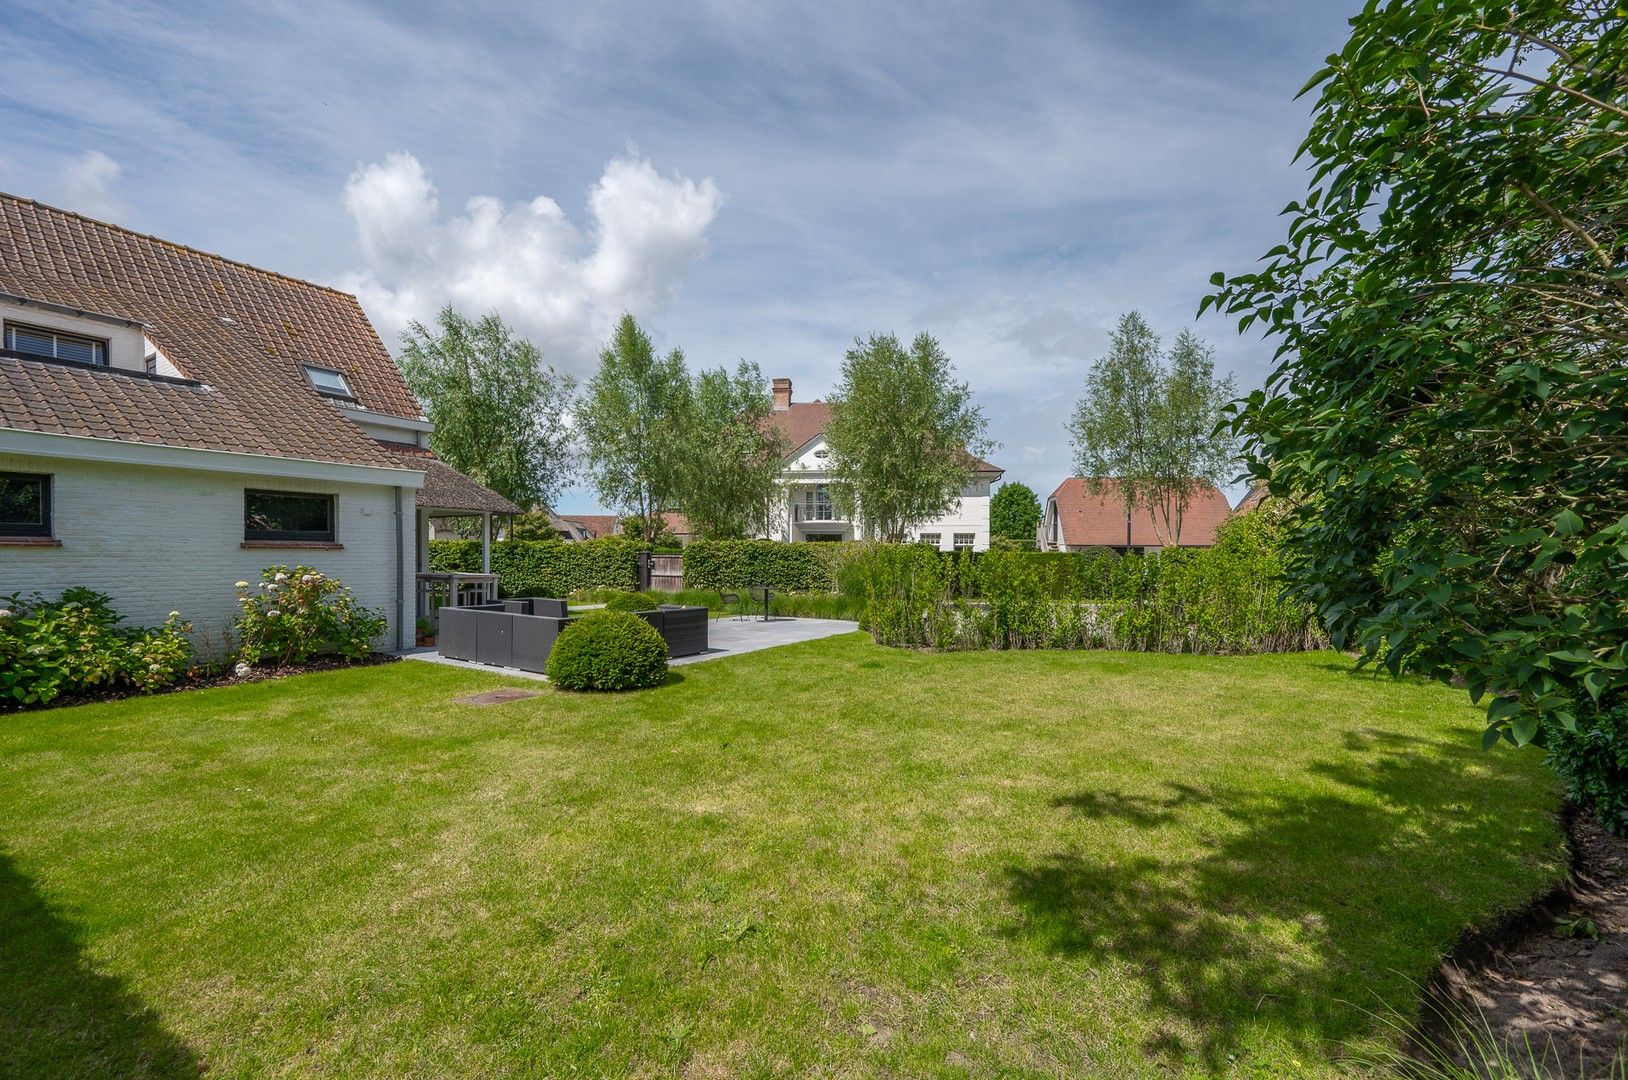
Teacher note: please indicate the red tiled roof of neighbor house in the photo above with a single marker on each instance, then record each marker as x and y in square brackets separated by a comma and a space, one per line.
[1257, 495]
[802, 422]
[677, 523]
[1098, 519]
[445, 488]
[239, 333]
[598, 525]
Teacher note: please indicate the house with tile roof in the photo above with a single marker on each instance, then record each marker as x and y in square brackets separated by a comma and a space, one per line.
[1077, 518]
[172, 421]
[805, 510]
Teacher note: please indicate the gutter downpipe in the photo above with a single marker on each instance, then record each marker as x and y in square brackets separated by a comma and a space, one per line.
[402, 641]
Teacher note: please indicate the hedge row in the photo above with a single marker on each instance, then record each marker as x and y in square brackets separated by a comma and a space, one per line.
[1222, 599]
[545, 567]
[796, 567]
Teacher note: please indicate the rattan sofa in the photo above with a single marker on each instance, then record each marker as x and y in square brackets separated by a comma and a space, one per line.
[521, 633]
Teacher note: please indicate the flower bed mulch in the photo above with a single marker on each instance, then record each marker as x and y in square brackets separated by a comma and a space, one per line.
[226, 676]
[1550, 983]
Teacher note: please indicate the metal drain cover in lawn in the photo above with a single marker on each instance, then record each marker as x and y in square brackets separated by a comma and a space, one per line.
[495, 697]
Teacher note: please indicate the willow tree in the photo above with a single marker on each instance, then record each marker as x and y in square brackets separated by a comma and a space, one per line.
[1148, 422]
[902, 435]
[499, 411]
[631, 420]
[732, 453]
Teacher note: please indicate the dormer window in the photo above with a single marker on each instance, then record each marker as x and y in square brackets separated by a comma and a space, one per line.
[328, 383]
[38, 341]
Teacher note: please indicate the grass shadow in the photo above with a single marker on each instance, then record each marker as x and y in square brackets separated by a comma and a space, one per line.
[1331, 870]
[60, 1018]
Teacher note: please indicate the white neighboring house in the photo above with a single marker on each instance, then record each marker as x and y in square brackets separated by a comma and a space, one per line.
[172, 422]
[806, 512]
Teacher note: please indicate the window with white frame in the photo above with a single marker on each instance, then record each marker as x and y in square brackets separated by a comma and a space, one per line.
[930, 539]
[964, 541]
[817, 504]
[38, 341]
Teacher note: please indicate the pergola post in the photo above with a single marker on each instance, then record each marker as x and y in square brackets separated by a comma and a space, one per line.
[486, 542]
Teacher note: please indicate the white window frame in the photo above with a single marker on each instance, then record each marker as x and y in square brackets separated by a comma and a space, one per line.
[934, 540]
[817, 504]
[956, 541]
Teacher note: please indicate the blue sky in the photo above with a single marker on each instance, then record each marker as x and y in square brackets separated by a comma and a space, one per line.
[751, 180]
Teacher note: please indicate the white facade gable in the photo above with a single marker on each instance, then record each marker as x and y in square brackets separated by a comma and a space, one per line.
[805, 511]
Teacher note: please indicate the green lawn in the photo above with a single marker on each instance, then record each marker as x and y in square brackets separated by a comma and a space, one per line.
[829, 858]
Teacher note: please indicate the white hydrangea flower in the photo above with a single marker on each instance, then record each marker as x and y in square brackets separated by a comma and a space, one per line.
[280, 578]
[272, 613]
[175, 614]
[243, 584]
[5, 613]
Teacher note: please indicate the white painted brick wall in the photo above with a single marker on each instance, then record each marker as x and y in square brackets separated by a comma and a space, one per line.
[160, 540]
[970, 514]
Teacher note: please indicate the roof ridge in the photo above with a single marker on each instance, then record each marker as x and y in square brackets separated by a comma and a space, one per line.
[174, 244]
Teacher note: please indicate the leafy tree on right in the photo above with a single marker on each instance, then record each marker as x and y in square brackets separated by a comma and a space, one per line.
[1449, 424]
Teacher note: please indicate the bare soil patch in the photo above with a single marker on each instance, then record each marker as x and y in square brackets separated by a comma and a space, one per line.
[1552, 982]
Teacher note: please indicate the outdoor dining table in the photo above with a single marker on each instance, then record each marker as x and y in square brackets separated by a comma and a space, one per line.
[761, 593]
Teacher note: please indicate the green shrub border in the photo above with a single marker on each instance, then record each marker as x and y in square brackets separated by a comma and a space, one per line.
[545, 567]
[1223, 599]
[793, 567]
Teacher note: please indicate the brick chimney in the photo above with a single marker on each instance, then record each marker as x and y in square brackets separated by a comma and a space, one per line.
[782, 395]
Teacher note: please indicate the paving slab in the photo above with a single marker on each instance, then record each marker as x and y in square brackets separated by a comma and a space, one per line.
[729, 636]
[726, 636]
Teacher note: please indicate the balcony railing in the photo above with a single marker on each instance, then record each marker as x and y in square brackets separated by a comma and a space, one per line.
[436, 591]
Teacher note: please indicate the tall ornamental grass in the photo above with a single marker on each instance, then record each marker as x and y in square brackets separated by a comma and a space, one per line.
[1223, 599]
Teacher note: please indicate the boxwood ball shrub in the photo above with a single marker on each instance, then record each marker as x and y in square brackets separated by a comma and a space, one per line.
[609, 650]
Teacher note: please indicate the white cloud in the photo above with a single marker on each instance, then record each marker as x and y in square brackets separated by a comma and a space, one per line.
[557, 285]
[87, 185]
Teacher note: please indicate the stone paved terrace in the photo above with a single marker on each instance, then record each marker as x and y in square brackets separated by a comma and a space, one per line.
[726, 636]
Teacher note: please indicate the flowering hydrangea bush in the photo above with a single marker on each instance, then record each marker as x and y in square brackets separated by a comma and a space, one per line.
[75, 645]
[291, 615]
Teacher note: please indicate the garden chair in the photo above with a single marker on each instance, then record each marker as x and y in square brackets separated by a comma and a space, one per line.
[760, 595]
[732, 602]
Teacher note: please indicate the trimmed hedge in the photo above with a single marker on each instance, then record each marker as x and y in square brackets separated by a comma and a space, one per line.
[789, 604]
[795, 567]
[608, 651]
[1223, 599]
[545, 567]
